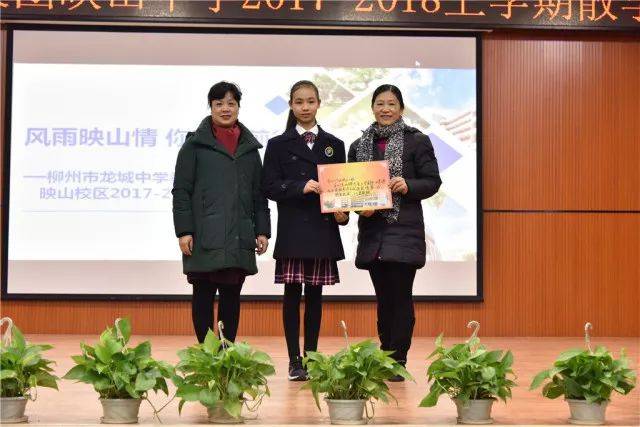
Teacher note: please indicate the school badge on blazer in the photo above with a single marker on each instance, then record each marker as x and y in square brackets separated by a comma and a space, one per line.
[328, 151]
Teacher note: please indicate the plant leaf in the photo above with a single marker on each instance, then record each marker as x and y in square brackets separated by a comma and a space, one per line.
[552, 391]
[143, 350]
[103, 354]
[211, 342]
[44, 379]
[17, 339]
[144, 382]
[507, 360]
[569, 355]
[7, 373]
[233, 407]
[539, 379]
[189, 392]
[75, 373]
[431, 399]
[125, 328]
[208, 398]
[488, 373]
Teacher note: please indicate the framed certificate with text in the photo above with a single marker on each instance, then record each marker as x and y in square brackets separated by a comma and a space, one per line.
[354, 186]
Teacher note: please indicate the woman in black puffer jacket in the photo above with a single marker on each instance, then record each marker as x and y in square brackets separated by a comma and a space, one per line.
[391, 242]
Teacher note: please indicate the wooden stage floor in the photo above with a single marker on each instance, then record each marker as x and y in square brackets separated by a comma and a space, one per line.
[77, 404]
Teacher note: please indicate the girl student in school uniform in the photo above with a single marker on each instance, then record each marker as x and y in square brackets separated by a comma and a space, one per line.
[308, 242]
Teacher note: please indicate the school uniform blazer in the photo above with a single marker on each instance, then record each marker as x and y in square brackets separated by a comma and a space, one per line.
[303, 231]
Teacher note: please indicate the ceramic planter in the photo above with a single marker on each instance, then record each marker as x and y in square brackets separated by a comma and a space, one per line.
[120, 411]
[474, 411]
[592, 414]
[218, 415]
[12, 409]
[346, 412]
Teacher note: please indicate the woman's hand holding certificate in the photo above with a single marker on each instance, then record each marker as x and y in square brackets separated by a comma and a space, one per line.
[398, 185]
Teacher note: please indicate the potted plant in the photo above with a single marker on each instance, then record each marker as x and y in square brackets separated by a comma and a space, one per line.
[22, 370]
[351, 378]
[122, 376]
[586, 379]
[472, 376]
[222, 376]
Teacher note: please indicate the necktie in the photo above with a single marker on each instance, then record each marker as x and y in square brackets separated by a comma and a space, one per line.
[309, 138]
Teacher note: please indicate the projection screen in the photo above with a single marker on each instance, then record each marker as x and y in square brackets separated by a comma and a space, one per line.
[97, 119]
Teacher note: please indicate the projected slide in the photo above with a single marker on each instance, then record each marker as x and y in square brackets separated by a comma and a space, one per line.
[97, 120]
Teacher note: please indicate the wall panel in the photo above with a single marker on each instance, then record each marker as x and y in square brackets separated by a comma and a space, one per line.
[561, 133]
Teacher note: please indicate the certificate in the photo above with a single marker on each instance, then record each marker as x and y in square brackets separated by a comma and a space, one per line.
[354, 186]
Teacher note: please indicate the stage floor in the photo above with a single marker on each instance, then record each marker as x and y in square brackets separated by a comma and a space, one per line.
[77, 404]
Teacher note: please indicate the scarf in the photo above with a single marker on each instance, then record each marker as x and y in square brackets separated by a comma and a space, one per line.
[394, 134]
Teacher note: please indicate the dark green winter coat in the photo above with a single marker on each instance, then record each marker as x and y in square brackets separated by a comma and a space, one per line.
[217, 199]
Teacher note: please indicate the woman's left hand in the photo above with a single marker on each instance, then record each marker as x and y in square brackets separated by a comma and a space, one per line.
[397, 184]
[341, 216]
[262, 243]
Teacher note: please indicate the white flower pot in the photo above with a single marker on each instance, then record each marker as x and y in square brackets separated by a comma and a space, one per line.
[12, 409]
[592, 414]
[346, 412]
[120, 411]
[218, 415]
[474, 411]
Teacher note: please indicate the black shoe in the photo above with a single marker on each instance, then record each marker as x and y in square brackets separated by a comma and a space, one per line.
[297, 372]
[398, 378]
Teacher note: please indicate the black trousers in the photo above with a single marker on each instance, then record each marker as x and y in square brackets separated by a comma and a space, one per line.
[204, 294]
[393, 283]
[291, 317]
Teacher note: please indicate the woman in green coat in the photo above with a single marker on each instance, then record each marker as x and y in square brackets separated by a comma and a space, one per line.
[220, 216]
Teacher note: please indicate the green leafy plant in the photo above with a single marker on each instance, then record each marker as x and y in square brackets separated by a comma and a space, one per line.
[221, 371]
[22, 367]
[468, 371]
[117, 371]
[587, 375]
[357, 372]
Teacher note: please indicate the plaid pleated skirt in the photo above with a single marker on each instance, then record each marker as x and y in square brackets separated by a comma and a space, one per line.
[316, 272]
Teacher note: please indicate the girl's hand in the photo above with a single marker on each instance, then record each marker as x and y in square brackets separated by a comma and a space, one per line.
[186, 244]
[341, 216]
[366, 214]
[311, 186]
[398, 185]
[262, 243]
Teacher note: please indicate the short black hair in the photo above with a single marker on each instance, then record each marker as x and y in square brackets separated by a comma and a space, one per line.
[220, 90]
[387, 88]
